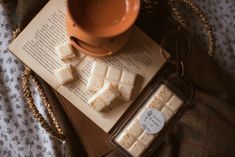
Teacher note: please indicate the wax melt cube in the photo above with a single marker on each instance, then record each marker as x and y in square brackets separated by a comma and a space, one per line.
[128, 78]
[114, 83]
[65, 51]
[113, 74]
[97, 103]
[103, 97]
[134, 128]
[167, 113]
[64, 75]
[125, 140]
[137, 149]
[99, 69]
[174, 103]
[74, 62]
[125, 91]
[95, 83]
[155, 103]
[163, 93]
[138, 116]
[108, 93]
[146, 138]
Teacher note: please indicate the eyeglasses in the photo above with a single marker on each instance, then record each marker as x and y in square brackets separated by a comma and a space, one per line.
[178, 44]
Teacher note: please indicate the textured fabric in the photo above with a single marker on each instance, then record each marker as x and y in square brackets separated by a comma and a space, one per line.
[221, 15]
[205, 130]
[20, 134]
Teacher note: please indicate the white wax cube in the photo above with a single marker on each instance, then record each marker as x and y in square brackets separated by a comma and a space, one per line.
[103, 97]
[174, 103]
[167, 113]
[141, 112]
[113, 74]
[108, 93]
[122, 80]
[163, 93]
[134, 128]
[137, 149]
[114, 83]
[125, 91]
[65, 51]
[146, 138]
[64, 75]
[97, 103]
[125, 140]
[99, 69]
[128, 78]
[95, 83]
[155, 103]
[74, 62]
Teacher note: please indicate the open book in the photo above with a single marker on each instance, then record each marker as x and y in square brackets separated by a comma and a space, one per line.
[35, 47]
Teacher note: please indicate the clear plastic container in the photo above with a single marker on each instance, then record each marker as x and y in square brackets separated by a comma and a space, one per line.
[146, 124]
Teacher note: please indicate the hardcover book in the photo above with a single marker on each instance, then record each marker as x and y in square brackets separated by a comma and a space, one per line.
[35, 46]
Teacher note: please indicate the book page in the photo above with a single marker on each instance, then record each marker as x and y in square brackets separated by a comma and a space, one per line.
[35, 47]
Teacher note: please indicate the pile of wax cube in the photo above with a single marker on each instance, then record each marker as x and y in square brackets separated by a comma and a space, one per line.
[109, 83]
[66, 53]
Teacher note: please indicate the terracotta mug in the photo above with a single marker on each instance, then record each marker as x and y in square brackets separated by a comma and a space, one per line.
[100, 27]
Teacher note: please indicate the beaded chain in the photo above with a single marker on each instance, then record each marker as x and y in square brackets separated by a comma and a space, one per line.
[25, 85]
[179, 18]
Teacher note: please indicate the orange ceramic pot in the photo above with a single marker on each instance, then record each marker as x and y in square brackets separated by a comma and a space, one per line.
[100, 27]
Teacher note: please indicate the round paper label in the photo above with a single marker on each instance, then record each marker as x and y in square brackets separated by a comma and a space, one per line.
[152, 121]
